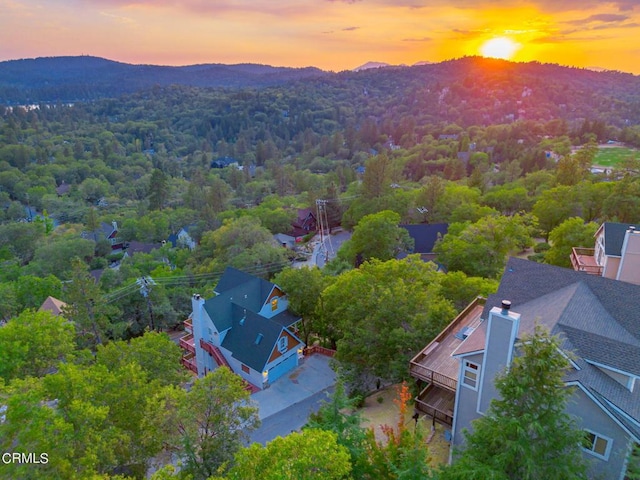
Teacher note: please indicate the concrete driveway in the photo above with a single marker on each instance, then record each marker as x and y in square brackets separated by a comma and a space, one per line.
[313, 376]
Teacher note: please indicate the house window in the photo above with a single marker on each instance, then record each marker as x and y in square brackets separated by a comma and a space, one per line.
[274, 304]
[246, 369]
[282, 344]
[470, 374]
[597, 445]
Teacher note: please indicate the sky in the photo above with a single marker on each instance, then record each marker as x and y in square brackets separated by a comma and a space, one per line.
[330, 34]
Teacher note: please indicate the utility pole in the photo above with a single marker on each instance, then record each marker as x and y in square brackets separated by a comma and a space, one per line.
[323, 221]
[145, 284]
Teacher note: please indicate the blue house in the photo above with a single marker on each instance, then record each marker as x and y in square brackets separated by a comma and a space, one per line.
[246, 326]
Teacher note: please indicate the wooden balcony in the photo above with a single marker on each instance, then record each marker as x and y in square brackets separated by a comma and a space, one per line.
[437, 403]
[188, 325]
[189, 362]
[187, 343]
[584, 260]
[434, 364]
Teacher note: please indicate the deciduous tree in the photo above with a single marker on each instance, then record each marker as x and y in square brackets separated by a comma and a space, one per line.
[573, 232]
[480, 249]
[308, 455]
[304, 287]
[87, 308]
[213, 420]
[381, 314]
[33, 343]
[377, 236]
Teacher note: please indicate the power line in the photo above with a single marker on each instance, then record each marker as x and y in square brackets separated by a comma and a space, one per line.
[187, 280]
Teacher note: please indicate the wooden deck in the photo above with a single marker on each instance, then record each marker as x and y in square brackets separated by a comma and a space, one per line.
[437, 403]
[583, 260]
[434, 364]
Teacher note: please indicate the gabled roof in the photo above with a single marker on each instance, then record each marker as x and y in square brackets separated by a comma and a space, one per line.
[302, 215]
[614, 237]
[524, 281]
[53, 305]
[251, 341]
[236, 310]
[63, 188]
[426, 235]
[104, 230]
[134, 247]
[232, 278]
[596, 318]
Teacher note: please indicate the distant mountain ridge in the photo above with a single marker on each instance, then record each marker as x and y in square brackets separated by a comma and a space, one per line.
[81, 78]
[479, 83]
[370, 65]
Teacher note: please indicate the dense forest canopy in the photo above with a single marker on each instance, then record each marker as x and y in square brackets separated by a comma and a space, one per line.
[125, 189]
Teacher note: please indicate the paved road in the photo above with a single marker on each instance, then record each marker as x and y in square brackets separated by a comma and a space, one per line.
[290, 419]
[332, 249]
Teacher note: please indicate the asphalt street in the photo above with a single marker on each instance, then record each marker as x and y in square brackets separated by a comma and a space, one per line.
[290, 419]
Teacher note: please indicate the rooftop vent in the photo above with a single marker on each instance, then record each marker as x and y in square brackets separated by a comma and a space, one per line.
[506, 305]
[464, 333]
[259, 339]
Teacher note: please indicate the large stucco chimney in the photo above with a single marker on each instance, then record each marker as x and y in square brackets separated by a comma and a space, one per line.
[502, 329]
[197, 304]
[629, 268]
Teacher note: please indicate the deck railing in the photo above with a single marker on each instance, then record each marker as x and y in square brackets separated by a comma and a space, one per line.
[189, 362]
[583, 260]
[187, 343]
[188, 325]
[435, 409]
[318, 349]
[434, 378]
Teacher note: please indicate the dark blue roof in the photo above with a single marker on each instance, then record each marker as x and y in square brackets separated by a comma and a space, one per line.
[236, 309]
[243, 336]
[425, 235]
[614, 237]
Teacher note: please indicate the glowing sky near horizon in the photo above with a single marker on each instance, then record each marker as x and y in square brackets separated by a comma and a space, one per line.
[330, 34]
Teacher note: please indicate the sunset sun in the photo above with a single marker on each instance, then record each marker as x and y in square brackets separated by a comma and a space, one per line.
[499, 47]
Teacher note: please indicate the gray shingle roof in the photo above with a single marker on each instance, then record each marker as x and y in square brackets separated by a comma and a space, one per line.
[614, 237]
[596, 317]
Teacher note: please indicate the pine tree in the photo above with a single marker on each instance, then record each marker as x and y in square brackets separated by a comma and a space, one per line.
[87, 308]
[158, 190]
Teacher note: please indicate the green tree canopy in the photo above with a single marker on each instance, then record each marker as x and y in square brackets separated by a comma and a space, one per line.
[303, 287]
[480, 249]
[87, 308]
[377, 236]
[383, 313]
[33, 343]
[573, 232]
[207, 425]
[308, 455]
[157, 355]
[554, 206]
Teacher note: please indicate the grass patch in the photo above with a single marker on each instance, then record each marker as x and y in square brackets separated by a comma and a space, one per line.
[614, 156]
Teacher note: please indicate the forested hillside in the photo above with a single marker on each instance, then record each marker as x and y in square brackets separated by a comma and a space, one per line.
[515, 158]
[72, 79]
